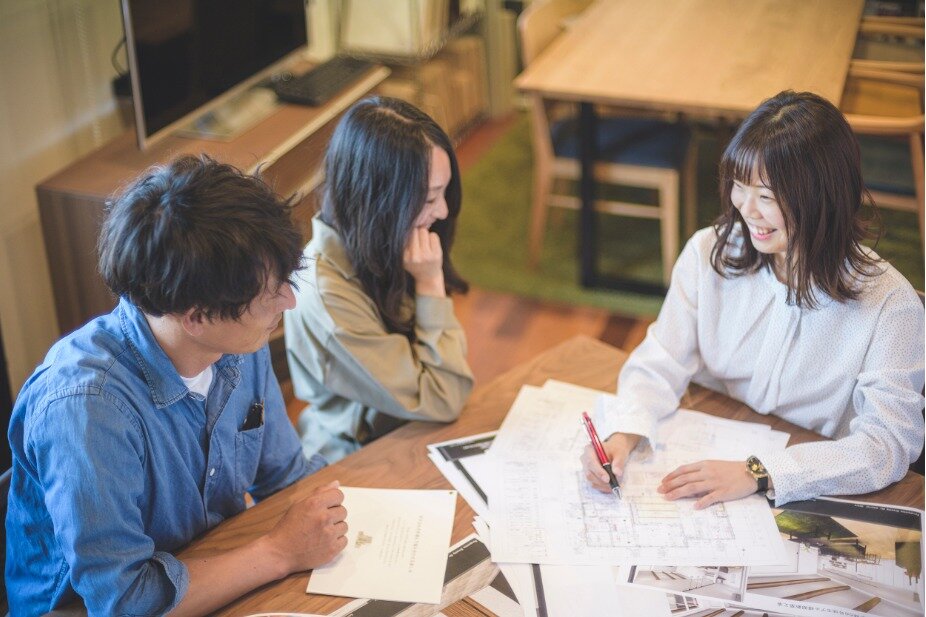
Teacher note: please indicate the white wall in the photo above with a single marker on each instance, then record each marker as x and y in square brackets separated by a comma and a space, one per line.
[55, 105]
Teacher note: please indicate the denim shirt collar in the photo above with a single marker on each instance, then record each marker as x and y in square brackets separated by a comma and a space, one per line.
[163, 380]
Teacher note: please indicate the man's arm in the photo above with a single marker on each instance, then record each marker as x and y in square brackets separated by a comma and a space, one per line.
[88, 453]
[310, 534]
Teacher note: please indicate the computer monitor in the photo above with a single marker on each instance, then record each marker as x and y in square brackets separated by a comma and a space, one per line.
[188, 56]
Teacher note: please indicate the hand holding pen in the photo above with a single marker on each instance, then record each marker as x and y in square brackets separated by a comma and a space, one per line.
[600, 454]
[615, 452]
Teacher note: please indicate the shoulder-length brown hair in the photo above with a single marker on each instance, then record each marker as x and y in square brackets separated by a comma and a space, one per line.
[376, 184]
[805, 152]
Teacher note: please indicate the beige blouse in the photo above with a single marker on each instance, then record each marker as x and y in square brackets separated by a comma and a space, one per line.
[362, 381]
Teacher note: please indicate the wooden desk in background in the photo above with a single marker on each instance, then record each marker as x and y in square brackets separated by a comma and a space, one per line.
[706, 58]
[400, 460]
[288, 146]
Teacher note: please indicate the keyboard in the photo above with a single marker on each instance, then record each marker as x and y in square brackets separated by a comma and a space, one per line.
[320, 84]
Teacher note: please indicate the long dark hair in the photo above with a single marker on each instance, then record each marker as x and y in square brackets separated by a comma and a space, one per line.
[376, 183]
[808, 157]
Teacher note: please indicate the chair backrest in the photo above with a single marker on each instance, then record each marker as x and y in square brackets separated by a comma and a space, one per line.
[893, 43]
[885, 98]
[4, 492]
[889, 52]
[883, 94]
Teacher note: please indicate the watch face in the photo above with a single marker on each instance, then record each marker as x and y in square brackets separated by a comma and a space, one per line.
[755, 466]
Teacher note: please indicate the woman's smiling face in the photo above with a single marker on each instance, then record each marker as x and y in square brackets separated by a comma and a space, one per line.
[760, 209]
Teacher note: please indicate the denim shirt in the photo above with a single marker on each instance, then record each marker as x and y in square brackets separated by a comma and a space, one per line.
[116, 465]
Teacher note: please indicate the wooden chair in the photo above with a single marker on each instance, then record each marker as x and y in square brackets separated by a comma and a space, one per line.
[883, 97]
[890, 43]
[634, 148]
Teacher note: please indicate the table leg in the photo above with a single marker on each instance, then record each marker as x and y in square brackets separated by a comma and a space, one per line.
[587, 235]
[588, 240]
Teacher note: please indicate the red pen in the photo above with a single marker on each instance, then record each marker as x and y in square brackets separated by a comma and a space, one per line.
[600, 453]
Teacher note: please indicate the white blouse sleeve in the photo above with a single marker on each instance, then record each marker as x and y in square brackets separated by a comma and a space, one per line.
[656, 374]
[886, 435]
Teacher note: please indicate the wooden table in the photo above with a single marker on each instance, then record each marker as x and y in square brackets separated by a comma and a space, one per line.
[698, 57]
[400, 460]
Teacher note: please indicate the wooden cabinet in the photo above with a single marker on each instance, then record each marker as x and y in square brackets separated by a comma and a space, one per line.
[288, 146]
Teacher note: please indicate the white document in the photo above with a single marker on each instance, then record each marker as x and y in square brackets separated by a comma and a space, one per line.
[463, 464]
[396, 550]
[544, 511]
[470, 577]
[520, 576]
[578, 591]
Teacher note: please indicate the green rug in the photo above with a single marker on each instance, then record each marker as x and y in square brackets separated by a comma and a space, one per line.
[491, 245]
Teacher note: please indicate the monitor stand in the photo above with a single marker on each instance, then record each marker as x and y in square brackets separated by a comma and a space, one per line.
[234, 116]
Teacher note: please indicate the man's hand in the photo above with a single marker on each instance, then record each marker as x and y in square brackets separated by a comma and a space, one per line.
[424, 260]
[312, 531]
[712, 481]
[310, 534]
[618, 447]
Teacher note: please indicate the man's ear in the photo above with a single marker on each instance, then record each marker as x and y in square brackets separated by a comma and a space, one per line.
[193, 322]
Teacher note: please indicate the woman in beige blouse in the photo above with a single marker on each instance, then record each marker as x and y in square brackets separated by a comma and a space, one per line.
[373, 340]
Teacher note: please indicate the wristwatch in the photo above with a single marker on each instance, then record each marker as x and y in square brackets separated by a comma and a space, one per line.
[758, 471]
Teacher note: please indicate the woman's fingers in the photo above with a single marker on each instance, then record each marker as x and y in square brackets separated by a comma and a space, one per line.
[712, 481]
[594, 472]
[709, 500]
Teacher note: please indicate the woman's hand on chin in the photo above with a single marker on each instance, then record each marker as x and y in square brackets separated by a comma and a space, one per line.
[424, 260]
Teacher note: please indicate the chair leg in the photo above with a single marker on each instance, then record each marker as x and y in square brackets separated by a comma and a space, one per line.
[668, 226]
[538, 217]
[690, 186]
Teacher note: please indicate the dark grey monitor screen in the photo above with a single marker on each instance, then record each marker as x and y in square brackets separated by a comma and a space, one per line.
[187, 52]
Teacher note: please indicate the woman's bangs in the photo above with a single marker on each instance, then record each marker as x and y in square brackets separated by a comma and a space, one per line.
[745, 162]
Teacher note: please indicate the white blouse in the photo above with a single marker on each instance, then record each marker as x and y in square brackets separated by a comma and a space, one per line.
[850, 371]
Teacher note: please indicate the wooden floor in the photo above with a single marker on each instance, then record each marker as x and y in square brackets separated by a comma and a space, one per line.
[503, 330]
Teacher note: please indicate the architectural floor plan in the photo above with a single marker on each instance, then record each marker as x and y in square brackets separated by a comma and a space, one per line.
[544, 511]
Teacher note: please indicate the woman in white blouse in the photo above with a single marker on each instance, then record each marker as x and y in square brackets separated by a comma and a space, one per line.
[780, 306]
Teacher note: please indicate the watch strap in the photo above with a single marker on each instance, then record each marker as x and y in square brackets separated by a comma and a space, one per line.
[758, 471]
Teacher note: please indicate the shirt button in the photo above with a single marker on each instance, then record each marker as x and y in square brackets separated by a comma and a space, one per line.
[212, 472]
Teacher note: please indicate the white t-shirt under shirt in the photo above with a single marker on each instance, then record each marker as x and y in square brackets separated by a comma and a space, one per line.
[850, 371]
[199, 384]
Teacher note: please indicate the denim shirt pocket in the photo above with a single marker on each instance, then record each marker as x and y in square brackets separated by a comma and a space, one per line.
[248, 446]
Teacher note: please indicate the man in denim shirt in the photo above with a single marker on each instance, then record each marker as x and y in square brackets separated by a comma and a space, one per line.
[145, 428]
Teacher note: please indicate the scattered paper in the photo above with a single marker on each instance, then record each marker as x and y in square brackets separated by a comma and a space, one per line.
[463, 462]
[845, 559]
[471, 579]
[544, 511]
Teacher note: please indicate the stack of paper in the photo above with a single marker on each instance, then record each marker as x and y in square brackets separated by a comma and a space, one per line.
[558, 542]
[843, 558]
[570, 550]
[471, 579]
[544, 511]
